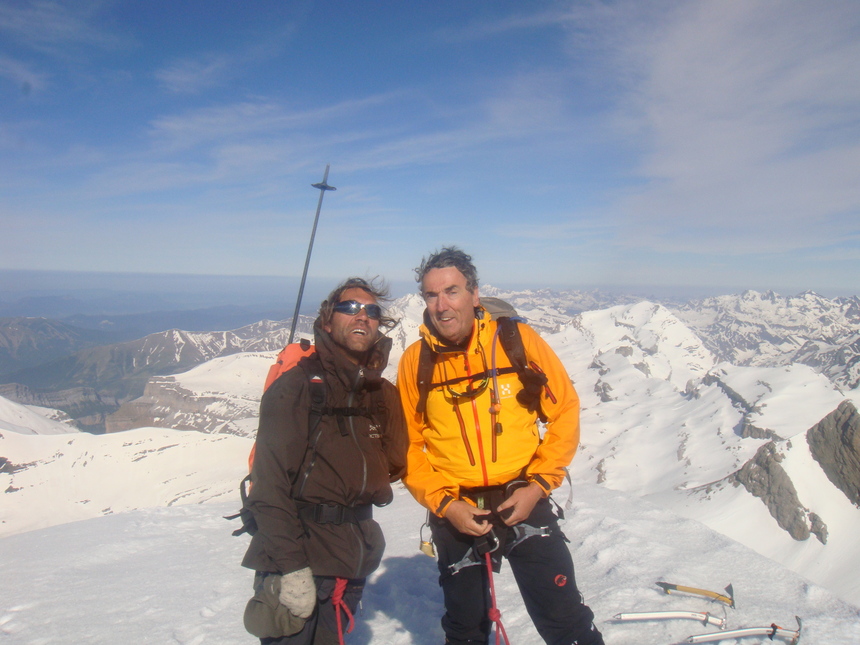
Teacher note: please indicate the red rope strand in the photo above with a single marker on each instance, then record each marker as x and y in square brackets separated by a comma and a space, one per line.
[494, 614]
[338, 604]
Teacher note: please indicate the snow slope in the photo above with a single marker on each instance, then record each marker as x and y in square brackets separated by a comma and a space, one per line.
[172, 575]
[28, 419]
[55, 479]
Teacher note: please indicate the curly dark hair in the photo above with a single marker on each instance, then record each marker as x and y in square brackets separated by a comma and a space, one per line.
[376, 287]
[449, 256]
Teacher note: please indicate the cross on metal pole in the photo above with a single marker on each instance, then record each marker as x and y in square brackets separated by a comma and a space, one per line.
[322, 186]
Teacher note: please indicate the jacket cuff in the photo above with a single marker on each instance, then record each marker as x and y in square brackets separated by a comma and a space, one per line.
[446, 501]
[545, 486]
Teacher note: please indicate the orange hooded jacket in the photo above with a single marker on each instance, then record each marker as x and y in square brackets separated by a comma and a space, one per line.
[465, 439]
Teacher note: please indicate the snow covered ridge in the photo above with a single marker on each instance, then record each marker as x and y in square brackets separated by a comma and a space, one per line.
[749, 450]
[54, 479]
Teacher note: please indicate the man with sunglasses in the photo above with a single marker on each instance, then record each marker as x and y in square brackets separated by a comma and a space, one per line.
[477, 462]
[314, 483]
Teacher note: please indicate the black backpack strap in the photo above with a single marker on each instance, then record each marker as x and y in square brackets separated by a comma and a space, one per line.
[426, 363]
[533, 380]
[512, 342]
[316, 389]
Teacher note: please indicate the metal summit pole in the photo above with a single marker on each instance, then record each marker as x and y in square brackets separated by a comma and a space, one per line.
[322, 186]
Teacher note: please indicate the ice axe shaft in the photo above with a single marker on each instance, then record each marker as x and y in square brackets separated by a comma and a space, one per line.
[322, 186]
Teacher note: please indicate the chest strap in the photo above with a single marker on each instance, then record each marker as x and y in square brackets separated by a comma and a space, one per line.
[334, 513]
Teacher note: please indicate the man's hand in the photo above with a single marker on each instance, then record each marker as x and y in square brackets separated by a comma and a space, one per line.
[467, 519]
[520, 504]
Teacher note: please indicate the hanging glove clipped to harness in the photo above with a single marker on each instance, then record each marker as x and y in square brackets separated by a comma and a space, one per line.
[533, 384]
[298, 592]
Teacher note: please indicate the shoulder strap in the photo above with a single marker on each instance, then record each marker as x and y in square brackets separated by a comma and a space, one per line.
[312, 367]
[316, 387]
[512, 342]
[531, 376]
[426, 363]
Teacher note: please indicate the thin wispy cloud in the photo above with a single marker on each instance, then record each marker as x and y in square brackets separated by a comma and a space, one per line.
[52, 26]
[517, 22]
[193, 76]
[250, 119]
[22, 75]
[749, 117]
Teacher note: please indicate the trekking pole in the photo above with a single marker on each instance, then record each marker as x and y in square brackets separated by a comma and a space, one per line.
[322, 186]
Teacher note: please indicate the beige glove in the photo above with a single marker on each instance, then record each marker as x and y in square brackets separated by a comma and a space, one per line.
[298, 592]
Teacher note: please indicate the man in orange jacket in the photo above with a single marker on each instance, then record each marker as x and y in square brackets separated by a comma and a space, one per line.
[477, 461]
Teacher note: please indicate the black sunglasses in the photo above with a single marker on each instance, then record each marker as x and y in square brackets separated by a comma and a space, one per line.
[352, 307]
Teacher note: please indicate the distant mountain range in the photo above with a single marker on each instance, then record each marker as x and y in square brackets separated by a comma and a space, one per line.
[765, 329]
[739, 411]
[29, 341]
[91, 383]
[88, 374]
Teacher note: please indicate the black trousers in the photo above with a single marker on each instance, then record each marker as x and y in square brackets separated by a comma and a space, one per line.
[542, 568]
[321, 627]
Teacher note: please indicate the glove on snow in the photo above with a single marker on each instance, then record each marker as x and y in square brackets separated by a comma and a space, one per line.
[298, 592]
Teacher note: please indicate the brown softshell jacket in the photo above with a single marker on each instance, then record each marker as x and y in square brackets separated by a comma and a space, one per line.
[350, 470]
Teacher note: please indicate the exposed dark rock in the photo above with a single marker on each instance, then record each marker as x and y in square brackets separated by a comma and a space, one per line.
[603, 390]
[643, 367]
[818, 528]
[737, 400]
[601, 471]
[835, 444]
[748, 430]
[766, 479]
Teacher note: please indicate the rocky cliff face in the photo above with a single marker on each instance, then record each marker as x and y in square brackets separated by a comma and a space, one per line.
[220, 396]
[83, 404]
[166, 404]
[835, 444]
[764, 477]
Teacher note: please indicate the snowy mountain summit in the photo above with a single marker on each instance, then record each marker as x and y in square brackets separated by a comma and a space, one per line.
[712, 435]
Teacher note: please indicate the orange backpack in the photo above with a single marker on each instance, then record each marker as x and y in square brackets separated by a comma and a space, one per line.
[288, 358]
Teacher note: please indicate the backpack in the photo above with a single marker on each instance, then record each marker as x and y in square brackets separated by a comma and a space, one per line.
[533, 380]
[288, 358]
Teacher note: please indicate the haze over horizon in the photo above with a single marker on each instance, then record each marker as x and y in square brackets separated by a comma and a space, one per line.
[662, 145]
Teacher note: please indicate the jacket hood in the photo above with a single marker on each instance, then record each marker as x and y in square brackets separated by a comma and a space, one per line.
[335, 360]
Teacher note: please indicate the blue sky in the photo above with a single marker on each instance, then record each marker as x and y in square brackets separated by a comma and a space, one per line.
[712, 144]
